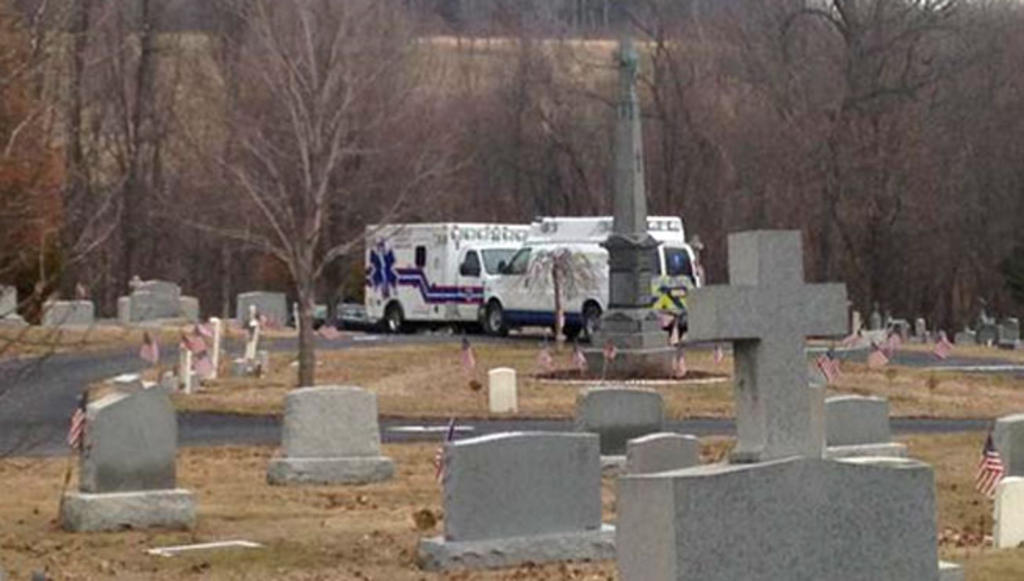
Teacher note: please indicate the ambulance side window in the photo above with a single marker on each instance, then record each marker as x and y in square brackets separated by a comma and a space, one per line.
[471, 264]
[421, 256]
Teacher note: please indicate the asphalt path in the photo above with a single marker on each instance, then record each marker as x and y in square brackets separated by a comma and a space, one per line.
[37, 395]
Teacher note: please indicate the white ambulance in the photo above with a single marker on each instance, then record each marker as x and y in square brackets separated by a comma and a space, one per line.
[433, 274]
[516, 300]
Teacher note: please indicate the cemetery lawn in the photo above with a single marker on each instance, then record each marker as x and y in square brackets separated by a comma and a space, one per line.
[427, 381]
[371, 531]
[42, 341]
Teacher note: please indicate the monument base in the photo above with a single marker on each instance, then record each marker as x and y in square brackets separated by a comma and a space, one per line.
[642, 348]
[354, 470]
[437, 554]
[613, 465]
[114, 511]
[884, 450]
[860, 519]
[950, 571]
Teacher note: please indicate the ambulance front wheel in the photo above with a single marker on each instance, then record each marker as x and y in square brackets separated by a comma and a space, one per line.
[494, 320]
[394, 319]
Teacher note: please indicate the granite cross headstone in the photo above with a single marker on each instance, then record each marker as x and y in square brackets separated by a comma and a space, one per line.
[767, 312]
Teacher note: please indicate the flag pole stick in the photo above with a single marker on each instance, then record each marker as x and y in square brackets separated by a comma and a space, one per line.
[69, 467]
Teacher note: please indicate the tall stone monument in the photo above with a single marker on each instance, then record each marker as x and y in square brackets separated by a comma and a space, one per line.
[630, 324]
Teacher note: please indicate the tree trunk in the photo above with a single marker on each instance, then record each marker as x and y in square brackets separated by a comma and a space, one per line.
[556, 284]
[307, 349]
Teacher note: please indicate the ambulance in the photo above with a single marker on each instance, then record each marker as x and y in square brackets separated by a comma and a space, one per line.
[433, 274]
[514, 299]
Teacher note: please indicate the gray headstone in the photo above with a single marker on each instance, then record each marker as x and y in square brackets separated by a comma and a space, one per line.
[987, 333]
[661, 452]
[1009, 333]
[272, 305]
[147, 306]
[68, 313]
[1008, 437]
[798, 519]
[188, 308]
[130, 443]
[767, 311]
[330, 421]
[124, 310]
[618, 414]
[854, 419]
[875, 320]
[510, 485]
[330, 435]
[8, 301]
[520, 497]
[920, 330]
[966, 337]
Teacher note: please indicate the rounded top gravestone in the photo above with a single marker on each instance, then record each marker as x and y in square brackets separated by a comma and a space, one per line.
[618, 414]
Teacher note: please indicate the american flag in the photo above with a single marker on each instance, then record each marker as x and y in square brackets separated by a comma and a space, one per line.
[990, 469]
[203, 366]
[329, 332]
[150, 350]
[544, 360]
[193, 343]
[579, 360]
[829, 366]
[719, 354]
[609, 350]
[680, 364]
[673, 339]
[943, 347]
[850, 340]
[449, 435]
[468, 359]
[877, 358]
[76, 431]
[203, 330]
[892, 342]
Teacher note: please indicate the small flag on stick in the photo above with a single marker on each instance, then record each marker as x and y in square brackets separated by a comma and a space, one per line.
[850, 340]
[609, 350]
[203, 330]
[579, 360]
[467, 357]
[673, 338]
[329, 332]
[829, 366]
[76, 431]
[990, 469]
[877, 358]
[719, 354]
[680, 364]
[150, 350]
[449, 435]
[545, 363]
[203, 366]
[943, 347]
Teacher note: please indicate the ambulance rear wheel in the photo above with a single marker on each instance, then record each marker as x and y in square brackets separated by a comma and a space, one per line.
[494, 320]
[394, 319]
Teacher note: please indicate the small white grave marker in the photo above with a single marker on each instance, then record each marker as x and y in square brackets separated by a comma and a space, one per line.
[502, 390]
[185, 369]
[218, 333]
[172, 551]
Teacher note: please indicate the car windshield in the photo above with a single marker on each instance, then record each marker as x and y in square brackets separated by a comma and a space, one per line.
[677, 262]
[495, 256]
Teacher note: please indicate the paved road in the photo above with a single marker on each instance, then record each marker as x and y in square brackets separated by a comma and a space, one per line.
[36, 398]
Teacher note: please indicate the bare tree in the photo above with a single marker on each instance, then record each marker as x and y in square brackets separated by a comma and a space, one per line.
[326, 91]
[565, 274]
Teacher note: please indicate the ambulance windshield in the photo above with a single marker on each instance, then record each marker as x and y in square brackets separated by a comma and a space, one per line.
[495, 256]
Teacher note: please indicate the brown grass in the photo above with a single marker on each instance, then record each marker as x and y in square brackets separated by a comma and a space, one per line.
[37, 341]
[428, 381]
[367, 532]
